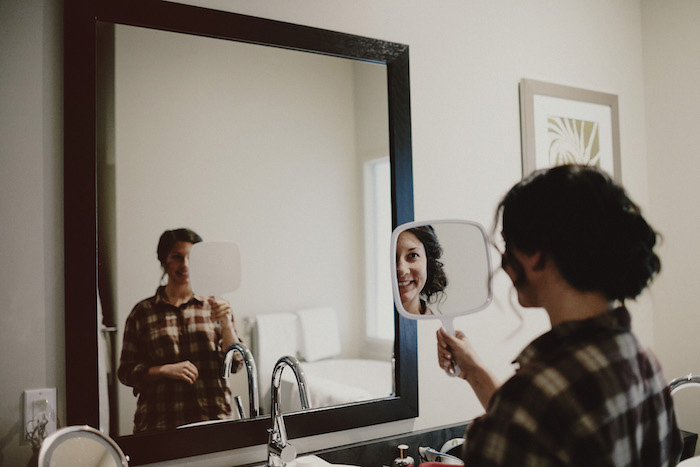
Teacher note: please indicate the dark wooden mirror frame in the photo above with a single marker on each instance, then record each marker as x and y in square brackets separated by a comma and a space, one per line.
[82, 397]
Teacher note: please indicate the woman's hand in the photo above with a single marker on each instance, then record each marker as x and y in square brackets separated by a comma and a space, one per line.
[458, 350]
[183, 371]
[221, 311]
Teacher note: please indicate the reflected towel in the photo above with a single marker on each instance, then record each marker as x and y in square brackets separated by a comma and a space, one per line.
[319, 336]
[338, 381]
[322, 392]
[325, 392]
[103, 368]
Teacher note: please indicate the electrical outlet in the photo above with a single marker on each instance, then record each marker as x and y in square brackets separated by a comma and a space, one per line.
[39, 409]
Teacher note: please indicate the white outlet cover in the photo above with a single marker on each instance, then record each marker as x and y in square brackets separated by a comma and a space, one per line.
[39, 403]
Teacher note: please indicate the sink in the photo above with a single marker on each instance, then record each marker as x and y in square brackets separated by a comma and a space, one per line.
[205, 422]
[313, 461]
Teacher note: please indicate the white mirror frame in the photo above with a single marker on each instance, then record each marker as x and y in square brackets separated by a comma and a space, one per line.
[59, 439]
[446, 319]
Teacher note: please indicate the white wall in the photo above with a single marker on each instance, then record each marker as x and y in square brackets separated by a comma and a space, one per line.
[31, 209]
[466, 60]
[671, 41]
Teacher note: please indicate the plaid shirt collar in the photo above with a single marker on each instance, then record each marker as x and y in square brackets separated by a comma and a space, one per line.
[162, 298]
[614, 321]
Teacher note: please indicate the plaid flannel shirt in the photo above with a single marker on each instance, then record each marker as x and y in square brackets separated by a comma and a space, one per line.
[585, 394]
[158, 333]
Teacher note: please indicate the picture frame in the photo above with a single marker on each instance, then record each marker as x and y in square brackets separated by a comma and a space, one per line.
[561, 124]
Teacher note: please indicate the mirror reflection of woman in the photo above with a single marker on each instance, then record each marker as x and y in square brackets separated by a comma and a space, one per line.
[173, 346]
[420, 274]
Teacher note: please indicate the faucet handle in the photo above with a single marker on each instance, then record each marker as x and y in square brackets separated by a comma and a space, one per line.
[284, 451]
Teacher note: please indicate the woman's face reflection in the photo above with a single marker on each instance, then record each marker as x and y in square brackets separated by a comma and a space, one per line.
[411, 270]
[177, 265]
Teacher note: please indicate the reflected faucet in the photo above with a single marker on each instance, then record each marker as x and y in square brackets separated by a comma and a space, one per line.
[677, 383]
[249, 362]
[279, 451]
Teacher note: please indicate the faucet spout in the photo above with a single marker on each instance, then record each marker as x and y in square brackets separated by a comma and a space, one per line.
[279, 451]
[678, 383]
[251, 370]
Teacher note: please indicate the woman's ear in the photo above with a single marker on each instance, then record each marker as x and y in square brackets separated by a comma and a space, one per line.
[539, 261]
[534, 262]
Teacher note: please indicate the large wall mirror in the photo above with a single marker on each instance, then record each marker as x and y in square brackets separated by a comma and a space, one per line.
[293, 142]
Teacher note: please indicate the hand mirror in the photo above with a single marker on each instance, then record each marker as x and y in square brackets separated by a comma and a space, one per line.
[80, 446]
[214, 268]
[441, 269]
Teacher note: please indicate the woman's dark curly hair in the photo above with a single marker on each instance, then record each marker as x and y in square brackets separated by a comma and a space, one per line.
[169, 238]
[436, 280]
[587, 225]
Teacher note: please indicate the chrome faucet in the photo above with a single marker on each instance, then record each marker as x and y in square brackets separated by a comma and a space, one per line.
[249, 362]
[677, 383]
[279, 451]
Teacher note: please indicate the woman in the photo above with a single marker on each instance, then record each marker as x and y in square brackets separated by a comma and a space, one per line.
[585, 392]
[419, 271]
[174, 344]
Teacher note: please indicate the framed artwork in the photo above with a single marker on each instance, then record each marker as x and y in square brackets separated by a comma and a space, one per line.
[563, 125]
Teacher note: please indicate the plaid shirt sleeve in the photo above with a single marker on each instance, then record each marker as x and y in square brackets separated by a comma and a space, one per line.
[132, 369]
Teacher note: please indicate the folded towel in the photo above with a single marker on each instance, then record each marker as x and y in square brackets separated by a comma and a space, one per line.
[335, 381]
[322, 392]
[319, 336]
[325, 392]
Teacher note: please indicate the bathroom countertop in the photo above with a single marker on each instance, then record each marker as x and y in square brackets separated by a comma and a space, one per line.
[383, 451]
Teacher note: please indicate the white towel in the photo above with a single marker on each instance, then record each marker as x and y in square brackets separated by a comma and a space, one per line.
[275, 336]
[322, 392]
[326, 392]
[103, 367]
[319, 336]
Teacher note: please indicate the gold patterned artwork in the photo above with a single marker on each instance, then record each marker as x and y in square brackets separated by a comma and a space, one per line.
[565, 125]
[573, 141]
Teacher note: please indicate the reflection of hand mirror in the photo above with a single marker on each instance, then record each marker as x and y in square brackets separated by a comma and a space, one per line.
[466, 263]
[215, 268]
